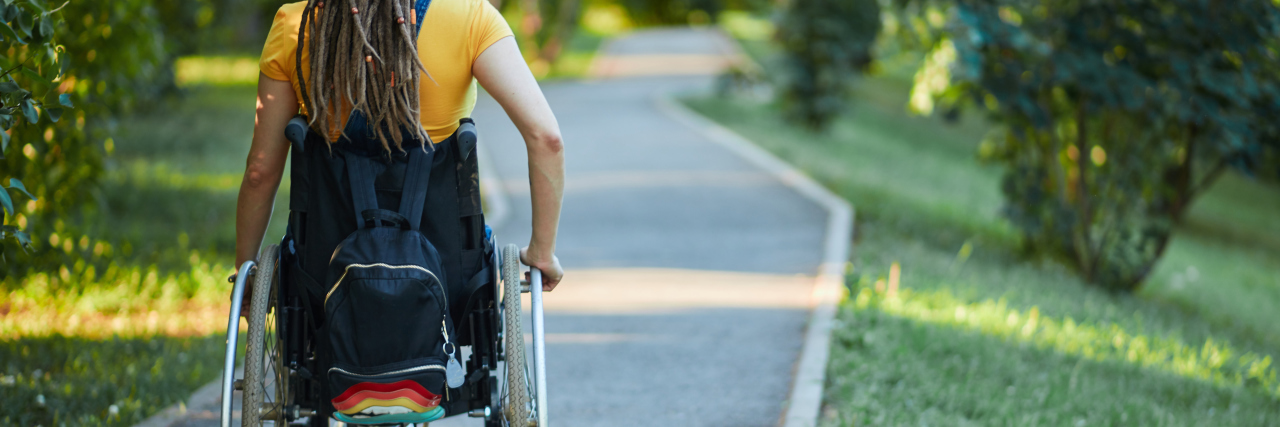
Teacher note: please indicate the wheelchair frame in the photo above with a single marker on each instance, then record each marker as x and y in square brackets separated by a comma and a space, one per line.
[296, 404]
[488, 322]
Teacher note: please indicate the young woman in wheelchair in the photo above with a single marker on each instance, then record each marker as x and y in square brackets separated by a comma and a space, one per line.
[383, 86]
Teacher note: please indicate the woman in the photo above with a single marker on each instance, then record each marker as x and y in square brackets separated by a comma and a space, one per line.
[371, 58]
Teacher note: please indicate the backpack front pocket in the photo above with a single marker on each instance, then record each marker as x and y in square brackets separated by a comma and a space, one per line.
[387, 323]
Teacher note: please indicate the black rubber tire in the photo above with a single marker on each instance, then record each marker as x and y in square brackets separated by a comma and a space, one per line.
[516, 405]
[262, 364]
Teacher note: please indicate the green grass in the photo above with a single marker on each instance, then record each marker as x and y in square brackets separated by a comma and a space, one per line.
[79, 380]
[978, 334]
[138, 326]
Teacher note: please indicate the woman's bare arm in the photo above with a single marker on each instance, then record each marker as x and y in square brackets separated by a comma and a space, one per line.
[503, 73]
[264, 167]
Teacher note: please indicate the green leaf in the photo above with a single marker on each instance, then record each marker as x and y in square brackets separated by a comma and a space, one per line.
[23, 238]
[4, 143]
[24, 23]
[55, 113]
[29, 111]
[37, 77]
[46, 27]
[65, 100]
[9, 33]
[6, 202]
[9, 87]
[64, 63]
[15, 184]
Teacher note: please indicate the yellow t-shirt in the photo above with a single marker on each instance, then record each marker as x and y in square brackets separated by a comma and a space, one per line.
[454, 33]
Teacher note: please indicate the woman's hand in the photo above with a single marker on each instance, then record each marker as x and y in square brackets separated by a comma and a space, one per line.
[548, 264]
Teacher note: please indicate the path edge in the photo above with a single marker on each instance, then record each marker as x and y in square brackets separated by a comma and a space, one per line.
[206, 395]
[805, 400]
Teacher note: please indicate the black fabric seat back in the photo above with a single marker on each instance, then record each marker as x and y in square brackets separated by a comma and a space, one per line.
[321, 213]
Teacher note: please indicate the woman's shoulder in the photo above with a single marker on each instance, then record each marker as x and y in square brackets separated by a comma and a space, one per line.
[282, 42]
[461, 10]
[290, 13]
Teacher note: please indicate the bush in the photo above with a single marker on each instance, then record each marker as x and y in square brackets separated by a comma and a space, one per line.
[1116, 114]
[827, 43]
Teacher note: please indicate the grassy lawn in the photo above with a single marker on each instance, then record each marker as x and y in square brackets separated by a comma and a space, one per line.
[974, 333]
[139, 327]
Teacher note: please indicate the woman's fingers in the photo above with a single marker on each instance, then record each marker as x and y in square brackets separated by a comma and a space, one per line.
[552, 273]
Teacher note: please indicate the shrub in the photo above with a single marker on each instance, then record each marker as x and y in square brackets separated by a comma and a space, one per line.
[827, 43]
[1116, 114]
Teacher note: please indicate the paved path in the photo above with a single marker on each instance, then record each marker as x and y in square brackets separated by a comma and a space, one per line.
[689, 270]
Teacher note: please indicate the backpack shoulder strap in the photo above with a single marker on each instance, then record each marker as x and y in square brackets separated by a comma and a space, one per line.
[361, 175]
[417, 179]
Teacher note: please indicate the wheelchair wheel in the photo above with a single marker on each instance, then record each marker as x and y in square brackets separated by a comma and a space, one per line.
[516, 406]
[265, 377]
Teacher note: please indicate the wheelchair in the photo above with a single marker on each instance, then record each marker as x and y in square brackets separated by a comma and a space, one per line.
[281, 383]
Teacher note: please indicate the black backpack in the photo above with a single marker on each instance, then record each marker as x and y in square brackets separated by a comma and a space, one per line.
[387, 308]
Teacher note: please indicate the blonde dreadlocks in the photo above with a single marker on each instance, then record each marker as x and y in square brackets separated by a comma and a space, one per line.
[363, 57]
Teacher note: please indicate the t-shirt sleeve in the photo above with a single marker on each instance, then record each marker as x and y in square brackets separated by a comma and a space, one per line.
[282, 43]
[488, 27]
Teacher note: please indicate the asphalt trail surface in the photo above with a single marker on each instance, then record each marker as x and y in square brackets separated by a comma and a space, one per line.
[689, 270]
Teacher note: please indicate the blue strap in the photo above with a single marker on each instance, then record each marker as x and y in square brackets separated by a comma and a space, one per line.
[420, 9]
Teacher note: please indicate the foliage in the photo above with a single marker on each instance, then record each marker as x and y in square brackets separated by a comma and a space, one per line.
[113, 54]
[34, 61]
[947, 352]
[828, 42]
[1116, 114]
[668, 12]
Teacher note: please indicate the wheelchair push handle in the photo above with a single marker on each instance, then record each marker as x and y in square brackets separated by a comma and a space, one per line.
[296, 132]
[467, 137]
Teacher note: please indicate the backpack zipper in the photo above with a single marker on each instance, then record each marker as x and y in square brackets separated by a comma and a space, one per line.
[402, 371]
[348, 270]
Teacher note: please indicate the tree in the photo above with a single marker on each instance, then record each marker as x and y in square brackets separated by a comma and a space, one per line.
[827, 44]
[110, 59]
[27, 93]
[1116, 114]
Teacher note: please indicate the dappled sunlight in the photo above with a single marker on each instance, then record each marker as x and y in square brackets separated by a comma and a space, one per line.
[665, 290]
[125, 301]
[216, 70]
[151, 174]
[1216, 362]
